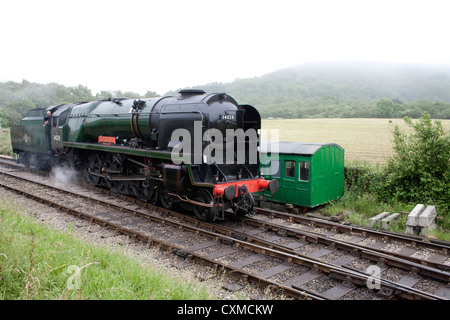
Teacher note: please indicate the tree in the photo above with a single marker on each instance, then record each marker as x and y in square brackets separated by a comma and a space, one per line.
[388, 108]
[419, 171]
[151, 94]
[81, 93]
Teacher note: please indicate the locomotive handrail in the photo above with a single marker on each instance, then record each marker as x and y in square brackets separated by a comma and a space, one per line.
[92, 115]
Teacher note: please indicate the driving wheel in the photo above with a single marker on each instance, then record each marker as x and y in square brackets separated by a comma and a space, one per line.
[204, 213]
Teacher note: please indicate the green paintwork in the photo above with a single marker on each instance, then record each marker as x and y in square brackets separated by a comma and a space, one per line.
[90, 120]
[326, 176]
[119, 149]
[29, 135]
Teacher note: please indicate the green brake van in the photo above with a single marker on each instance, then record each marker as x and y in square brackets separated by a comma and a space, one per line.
[309, 174]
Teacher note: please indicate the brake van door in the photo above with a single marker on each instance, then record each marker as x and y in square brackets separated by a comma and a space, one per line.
[289, 179]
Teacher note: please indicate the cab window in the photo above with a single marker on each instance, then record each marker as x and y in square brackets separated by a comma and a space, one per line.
[63, 117]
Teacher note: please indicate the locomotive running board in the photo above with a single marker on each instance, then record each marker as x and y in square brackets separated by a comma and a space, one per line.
[120, 149]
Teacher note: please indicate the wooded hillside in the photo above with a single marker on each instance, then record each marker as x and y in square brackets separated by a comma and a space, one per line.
[346, 90]
[16, 98]
[314, 90]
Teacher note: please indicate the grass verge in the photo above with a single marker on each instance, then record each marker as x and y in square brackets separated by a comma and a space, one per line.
[37, 263]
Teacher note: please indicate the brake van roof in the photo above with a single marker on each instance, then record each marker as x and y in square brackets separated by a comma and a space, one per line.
[299, 148]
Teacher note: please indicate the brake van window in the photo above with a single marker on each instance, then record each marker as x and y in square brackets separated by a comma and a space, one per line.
[304, 171]
[290, 169]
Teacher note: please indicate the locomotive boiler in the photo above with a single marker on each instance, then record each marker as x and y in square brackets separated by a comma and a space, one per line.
[196, 150]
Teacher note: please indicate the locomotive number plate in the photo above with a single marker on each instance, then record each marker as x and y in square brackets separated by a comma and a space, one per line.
[227, 117]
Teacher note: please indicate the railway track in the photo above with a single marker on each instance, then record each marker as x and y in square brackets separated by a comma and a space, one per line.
[379, 239]
[431, 259]
[263, 260]
[397, 268]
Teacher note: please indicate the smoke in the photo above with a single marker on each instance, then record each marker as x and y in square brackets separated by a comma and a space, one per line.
[63, 175]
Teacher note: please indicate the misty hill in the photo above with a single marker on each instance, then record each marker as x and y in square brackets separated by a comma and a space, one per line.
[313, 90]
[345, 89]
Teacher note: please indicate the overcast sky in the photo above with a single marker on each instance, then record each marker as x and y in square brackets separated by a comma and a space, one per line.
[163, 45]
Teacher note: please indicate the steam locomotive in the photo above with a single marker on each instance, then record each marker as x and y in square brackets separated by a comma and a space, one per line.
[197, 150]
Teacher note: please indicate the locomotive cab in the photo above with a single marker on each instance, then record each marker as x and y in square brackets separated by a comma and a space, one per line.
[59, 127]
[31, 141]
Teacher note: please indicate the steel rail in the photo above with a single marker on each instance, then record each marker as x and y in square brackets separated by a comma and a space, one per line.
[430, 269]
[313, 264]
[438, 245]
[173, 248]
[415, 265]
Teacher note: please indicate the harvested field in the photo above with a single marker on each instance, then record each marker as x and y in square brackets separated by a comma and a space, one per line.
[365, 140]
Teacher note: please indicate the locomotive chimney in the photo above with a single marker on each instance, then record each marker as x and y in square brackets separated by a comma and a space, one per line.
[186, 93]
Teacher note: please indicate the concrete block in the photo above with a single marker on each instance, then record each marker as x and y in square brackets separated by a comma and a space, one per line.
[414, 214]
[388, 220]
[374, 220]
[423, 230]
[427, 217]
[409, 230]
